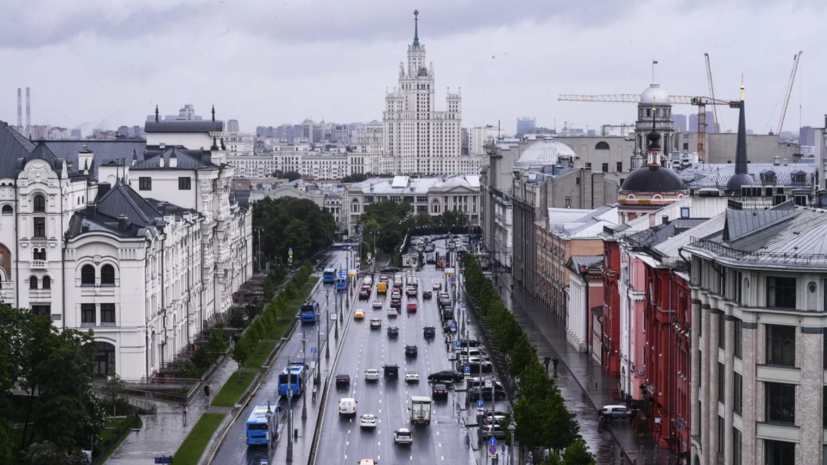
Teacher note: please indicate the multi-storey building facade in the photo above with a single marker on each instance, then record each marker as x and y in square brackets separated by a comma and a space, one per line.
[420, 139]
[147, 250]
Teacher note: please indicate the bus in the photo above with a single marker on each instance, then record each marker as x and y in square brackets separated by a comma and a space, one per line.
[295, 371]
[329, 275]
[310, 311]
[341, 281]
[257, 425]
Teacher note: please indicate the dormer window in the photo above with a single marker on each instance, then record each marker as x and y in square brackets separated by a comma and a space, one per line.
[768, 177]
[39, 204]
[799, 177]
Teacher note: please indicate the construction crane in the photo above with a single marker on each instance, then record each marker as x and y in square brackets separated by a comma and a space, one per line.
[789, 90]
[715, 126]
[700, 102]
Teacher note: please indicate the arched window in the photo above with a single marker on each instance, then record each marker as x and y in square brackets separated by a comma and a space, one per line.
[47, 282]
[87, 275]
[39, 254]
[602, 145]
[39, 203]
[33, 282]
[8, 210]
[108, 275]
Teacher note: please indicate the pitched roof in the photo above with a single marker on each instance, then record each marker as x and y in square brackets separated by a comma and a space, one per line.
[104, 151]
[585, 261]
[122, 199]
[186, 159]
[184, 126]
[13, 146]
[41, 152]
[740, 223]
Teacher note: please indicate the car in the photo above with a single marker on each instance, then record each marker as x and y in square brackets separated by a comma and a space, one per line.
[474, 393]
[469, 343]
[367, 420]
[411, 306]
[391, 371]
[392, 312]
[487, 367]
[342, 380]
[431, 259]
[395, 294]
[368, 462]
[359, 315]
[426, 294]
[375, 323]
[492, 430]
[393, 331]
[396, 303]
[403, 436]
[383, 278]
[372, 374]
[411, 377]
[439, 391]
[377, 304]
[437, 286]
[429, 332]
[410, 291]
[474, 381]
[364, 294]
[449, 326]
[472, 353]
[446, 376]
[347, 406]
[615, 412]
[411, 351]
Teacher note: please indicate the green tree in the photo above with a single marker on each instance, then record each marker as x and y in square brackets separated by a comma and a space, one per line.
[237, 319]
[423, 220]
[241, 352]
[577, 453]
[218, 343]
[297, 236]
[521, 356]
[355, 177]
[47, 452]
[6, 444]
[290, 175]
[113, 392]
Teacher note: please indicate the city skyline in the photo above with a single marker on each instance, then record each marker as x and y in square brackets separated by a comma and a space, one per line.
[500, 77]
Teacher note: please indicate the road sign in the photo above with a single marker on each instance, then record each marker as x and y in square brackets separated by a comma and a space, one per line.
[480, 404]
[463, 305]
[453, 326]
[312, 350]
[458, 343]
[468, 369]
[503, 448]
[290, 250]
[369, 255]
[493, 449]
[493, 442]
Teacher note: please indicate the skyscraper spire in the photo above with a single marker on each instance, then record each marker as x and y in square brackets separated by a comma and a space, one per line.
[416, 28]
[741, 177]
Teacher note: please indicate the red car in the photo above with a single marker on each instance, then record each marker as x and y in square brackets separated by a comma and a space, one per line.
[411, 306]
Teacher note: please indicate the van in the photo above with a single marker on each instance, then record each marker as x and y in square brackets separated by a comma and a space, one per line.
[382, 288]
[347, 406]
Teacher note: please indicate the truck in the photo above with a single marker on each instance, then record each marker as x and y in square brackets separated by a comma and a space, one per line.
[382, 287]
[420, 410]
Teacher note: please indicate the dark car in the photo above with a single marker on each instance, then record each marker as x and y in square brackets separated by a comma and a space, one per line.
[411, 351]
[469, 343]
[429, 331]
[446, 376]
[426, 294]
[391, 371]
[342, 380]
[474, 393]
[389, 269]
[393, 331]
[439, 391]
[447, 313]
[364, 294]
[449, 326]
[396, 303]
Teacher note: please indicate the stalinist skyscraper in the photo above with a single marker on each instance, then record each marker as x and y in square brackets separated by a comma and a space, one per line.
[419, 139]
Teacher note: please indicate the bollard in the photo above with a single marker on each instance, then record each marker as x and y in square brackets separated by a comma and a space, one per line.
[295, 434]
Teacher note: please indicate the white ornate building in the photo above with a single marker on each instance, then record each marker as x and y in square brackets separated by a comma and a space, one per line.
[420, 139]
[146, 250]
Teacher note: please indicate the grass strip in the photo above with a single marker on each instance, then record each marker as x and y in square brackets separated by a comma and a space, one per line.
[193, 447]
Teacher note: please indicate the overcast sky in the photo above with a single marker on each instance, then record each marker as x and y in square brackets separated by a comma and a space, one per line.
[104, 63]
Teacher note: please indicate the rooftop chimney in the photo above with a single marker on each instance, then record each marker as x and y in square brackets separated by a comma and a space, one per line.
[28, 111]
[173, 160]
[91, 209]
[123, 223]
[19, 109]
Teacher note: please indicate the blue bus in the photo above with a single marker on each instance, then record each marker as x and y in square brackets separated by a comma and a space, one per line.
[329, 275]
[341, 281]
[310, 311]
[257, 425]
[295, 372]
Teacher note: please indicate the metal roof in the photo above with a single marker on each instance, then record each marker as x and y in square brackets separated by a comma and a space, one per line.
[718, 174]
[13, 146]
[587, 261]
[740, 223]
[184, 126]
[400, 185]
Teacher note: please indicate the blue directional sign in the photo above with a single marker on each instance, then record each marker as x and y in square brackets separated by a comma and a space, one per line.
[468, 369]
[480, 404]
[463, 305]
[458, 343]
[492, 442]
[503, 448]
[312, 350]
[453, 326]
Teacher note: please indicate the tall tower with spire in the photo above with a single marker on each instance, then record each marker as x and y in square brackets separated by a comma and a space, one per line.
[419, 139]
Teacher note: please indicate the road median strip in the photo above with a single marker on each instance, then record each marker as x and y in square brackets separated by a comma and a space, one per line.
[193, 446]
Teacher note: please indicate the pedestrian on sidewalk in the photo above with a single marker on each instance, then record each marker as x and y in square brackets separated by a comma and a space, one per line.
[185, 412]
[501, 288]
[207, 390]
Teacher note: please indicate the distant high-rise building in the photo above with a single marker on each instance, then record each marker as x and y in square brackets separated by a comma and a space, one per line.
[232, 125]
[806, 136]
[710, 123]
[526, 125]
[77, 134]
[680, 122]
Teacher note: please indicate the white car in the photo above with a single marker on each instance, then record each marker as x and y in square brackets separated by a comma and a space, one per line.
[377, 304]
[402, 436]
[372, 374]
[375, 323]
[367, 421]
[411, 377]
[393, 312]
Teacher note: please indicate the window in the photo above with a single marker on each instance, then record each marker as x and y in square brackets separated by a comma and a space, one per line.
[588, 166]
[184, 183]
[87, 275]
[39, 254]
[42, 310]
[144, 184]
[824, 406]
[780, 402]
[605, 167]
[738, 393]
[619, 166]
[721, 430]
[685, 212]
[738, 337]
[33, 282]
[39, 204]
[8, 210]
[737, 454]
[721, 331]
[87, 313]
[780, 345]
[721, 382]
[39, 227]
[108, 275]
[47, 282]
[778, 452]
[108, 313]
[780, 292]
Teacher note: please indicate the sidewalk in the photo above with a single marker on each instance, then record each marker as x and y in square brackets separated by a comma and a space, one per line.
[164, 432]
[549, 337]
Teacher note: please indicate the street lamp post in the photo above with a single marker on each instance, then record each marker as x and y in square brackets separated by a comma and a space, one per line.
[304, 362]
[270, 436]
[511, 428]
[289, 414]
[327, 309]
